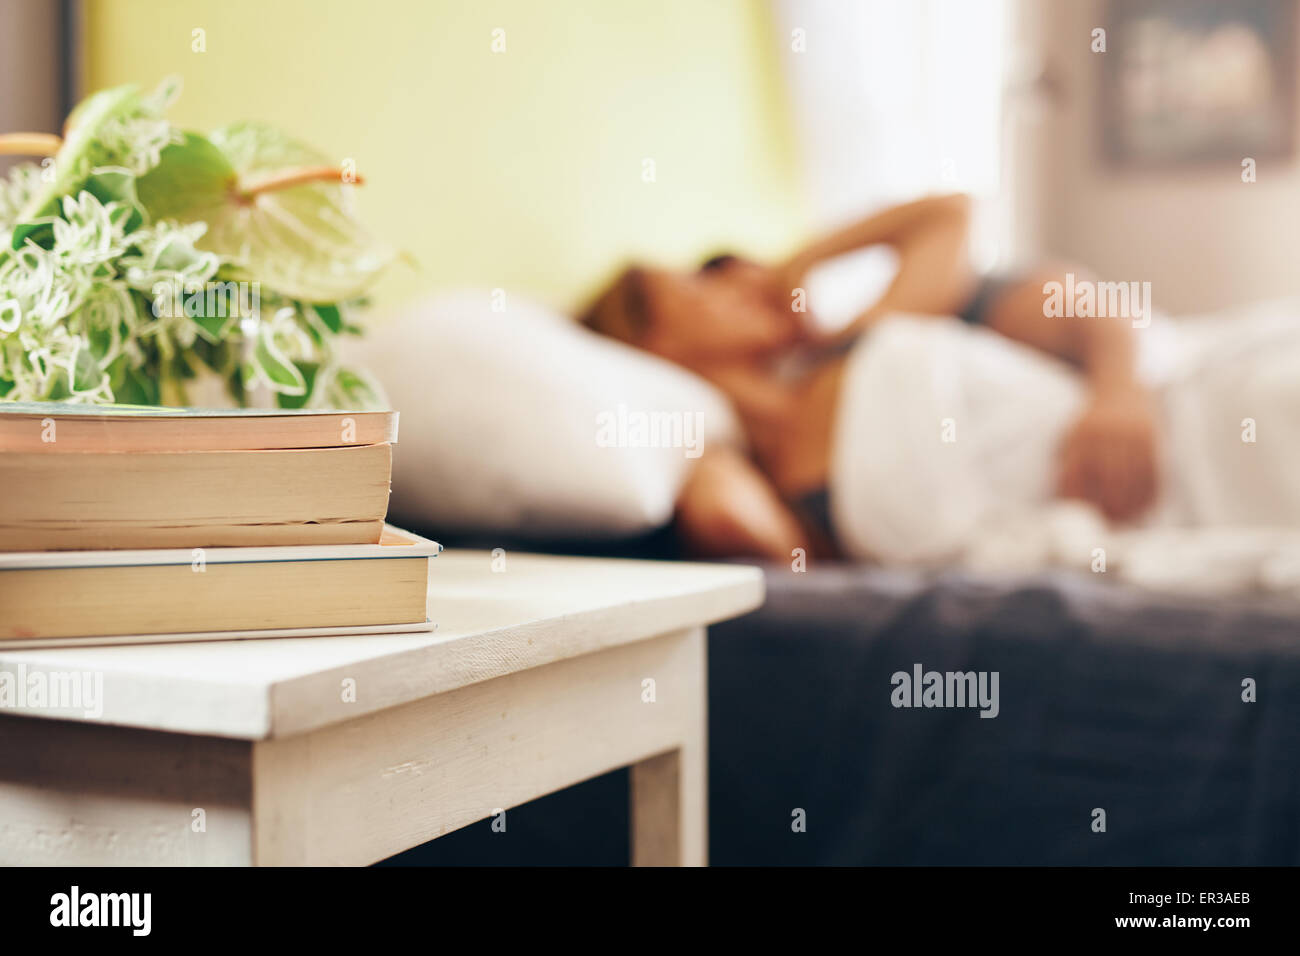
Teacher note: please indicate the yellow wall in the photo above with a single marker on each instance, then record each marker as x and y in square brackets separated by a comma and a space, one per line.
[520, 169]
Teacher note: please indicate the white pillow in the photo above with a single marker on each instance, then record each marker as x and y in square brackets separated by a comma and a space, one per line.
[522, 420]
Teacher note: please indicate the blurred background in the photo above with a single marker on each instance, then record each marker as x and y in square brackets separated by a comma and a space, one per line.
[533, 146]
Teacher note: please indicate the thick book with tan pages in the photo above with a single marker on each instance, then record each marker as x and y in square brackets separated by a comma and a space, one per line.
[90, 478]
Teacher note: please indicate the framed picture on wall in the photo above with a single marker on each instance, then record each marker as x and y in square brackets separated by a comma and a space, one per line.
[1195, 81]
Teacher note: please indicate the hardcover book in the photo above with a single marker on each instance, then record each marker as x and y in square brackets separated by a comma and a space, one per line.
[128, 597]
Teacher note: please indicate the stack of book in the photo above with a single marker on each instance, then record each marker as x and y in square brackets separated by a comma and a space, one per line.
[121, 525]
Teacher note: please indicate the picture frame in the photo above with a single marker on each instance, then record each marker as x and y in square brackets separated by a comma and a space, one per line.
[1187, 82]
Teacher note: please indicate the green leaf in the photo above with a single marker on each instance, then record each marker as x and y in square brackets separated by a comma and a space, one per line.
[277, 370]
[350, 389]
[192, 181]
[214, 328]
[110, 184]
[214, 307]
[39, 231]
[330, 315]
[79, 140]
[87, 375]
[308, 370]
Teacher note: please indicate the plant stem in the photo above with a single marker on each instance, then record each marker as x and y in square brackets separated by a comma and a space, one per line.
[294, 176]
[29, 144]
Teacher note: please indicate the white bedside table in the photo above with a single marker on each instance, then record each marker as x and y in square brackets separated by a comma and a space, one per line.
[346, 750]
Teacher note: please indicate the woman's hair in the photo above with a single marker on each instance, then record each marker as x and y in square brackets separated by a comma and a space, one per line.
[719, 261]
[622, 311]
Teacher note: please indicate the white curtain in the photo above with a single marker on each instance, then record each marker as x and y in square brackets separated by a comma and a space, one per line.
[896, 98]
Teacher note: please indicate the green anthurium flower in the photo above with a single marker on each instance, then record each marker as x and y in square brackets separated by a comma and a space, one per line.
[300, 237]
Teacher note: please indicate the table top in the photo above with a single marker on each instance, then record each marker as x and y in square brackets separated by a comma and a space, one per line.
[539, 609]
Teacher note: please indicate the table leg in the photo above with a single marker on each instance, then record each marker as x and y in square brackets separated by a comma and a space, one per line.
[669, 795]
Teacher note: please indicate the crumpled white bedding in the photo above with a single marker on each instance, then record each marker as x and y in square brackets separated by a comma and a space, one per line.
[946, 440]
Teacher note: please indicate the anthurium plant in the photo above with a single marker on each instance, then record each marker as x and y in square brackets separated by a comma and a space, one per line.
[136, 257]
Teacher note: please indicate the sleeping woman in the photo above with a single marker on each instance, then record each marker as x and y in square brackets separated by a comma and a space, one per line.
[735, 322]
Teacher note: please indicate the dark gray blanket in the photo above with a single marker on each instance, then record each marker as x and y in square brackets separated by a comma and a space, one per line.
[1110, 699]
